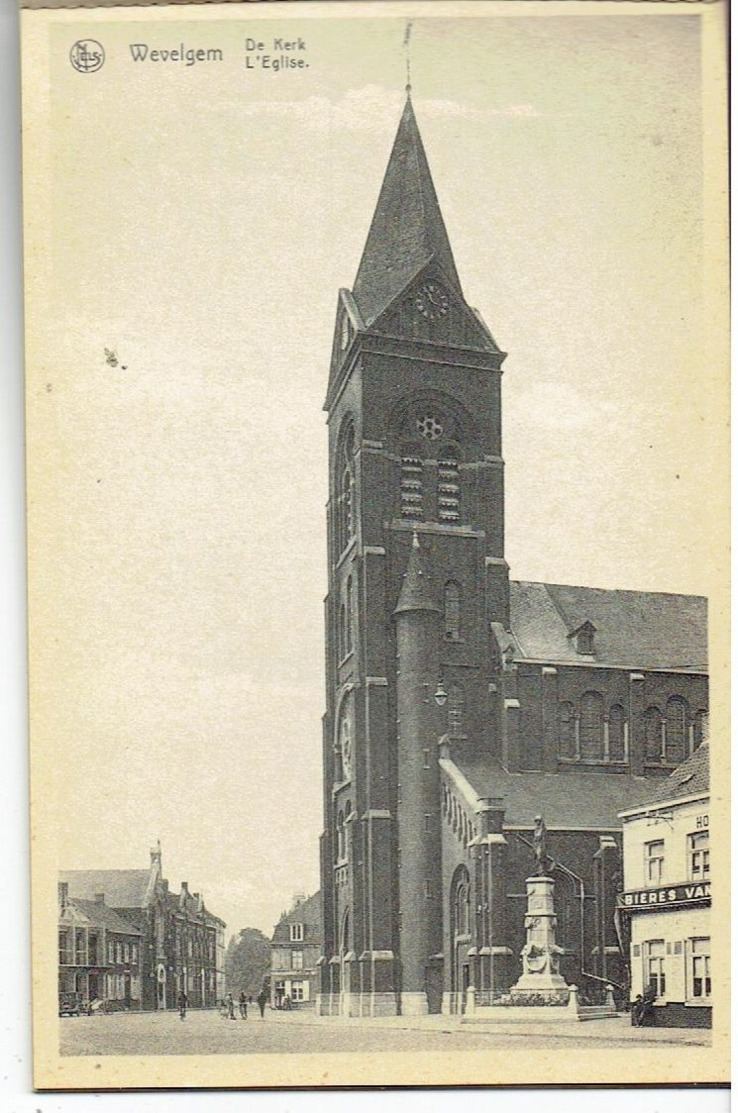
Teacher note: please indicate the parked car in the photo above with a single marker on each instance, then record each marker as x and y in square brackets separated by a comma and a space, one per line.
[71, 1004]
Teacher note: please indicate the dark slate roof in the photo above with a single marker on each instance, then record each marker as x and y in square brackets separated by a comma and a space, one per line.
[310, 913]
[102, 916]
[691, 778]
[407, 229]
[122, 888]
[565, 800]
[193, 905]
[416, 594]
[633, 629]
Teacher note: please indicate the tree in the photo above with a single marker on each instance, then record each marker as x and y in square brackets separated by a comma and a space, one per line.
[247, 962]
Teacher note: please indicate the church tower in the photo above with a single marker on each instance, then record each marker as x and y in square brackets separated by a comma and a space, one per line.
[417, 575]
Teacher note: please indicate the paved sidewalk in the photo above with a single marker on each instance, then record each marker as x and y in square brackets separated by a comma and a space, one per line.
[583, 1031]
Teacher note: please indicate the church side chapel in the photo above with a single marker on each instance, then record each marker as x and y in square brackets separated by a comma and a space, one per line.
[462, 705]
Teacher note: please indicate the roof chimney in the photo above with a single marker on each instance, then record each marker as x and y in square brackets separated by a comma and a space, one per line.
[99, 898]
[63, 895]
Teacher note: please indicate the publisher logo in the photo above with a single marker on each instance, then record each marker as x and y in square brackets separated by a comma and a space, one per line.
[87, 55]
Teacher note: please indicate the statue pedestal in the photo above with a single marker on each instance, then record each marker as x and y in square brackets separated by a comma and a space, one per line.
[541, 952]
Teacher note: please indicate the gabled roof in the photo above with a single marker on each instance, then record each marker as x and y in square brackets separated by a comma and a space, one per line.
[633, 629]
[691, 778]
[101, 916]
[407, 229]
[567, 800]
[415, 594]
[310, 913]
[122, 888]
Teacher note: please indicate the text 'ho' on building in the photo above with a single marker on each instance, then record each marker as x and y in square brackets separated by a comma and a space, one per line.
[462, 704]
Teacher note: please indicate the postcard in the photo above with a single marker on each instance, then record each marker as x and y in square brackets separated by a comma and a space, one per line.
[376, 380]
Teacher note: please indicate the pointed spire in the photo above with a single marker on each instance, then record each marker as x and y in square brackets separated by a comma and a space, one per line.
[407, 230]
[416, 594]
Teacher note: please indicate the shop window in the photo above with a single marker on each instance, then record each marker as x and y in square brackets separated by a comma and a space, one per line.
[297, 933]
[676, 731]
[591, 727]
[299, 991]
[699, 856]
[452, 611]
[699, 974]
[655, 952]
[654, 864]
[653, 735]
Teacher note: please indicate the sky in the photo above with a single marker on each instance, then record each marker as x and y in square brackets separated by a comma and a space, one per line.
[199, 221]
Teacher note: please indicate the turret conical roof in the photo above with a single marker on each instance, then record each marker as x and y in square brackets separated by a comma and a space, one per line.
[407, 229]
[416, 594]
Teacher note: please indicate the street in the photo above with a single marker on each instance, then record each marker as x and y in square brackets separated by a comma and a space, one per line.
[208, 1033]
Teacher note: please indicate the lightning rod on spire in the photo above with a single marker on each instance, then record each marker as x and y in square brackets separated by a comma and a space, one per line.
[406, 45]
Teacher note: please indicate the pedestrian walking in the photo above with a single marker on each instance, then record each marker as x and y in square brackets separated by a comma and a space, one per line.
[231, 1007]
[182, 1002]
[261, 1001]
[242, 1005]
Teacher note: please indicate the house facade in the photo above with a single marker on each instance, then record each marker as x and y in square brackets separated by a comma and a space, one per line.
[666, 902]
[297, 944]
[460, 703]
[181, 942]
[100, 955]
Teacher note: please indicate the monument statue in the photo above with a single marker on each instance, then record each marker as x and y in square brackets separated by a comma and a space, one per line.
[540, 848]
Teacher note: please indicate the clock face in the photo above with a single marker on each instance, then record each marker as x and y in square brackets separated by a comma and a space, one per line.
[346, 746]
[431, 301]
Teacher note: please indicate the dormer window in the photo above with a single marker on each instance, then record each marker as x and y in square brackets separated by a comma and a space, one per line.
[583, 638]
[297, 933]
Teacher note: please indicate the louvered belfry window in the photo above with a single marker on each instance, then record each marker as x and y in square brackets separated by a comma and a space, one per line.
[449, 489]
[411, 484]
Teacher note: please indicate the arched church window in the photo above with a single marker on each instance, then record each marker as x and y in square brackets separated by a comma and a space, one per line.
[411, 483]
[616, 733]
[567, 737]
[452, 610]
[461, 904]
[653, 735]
[591, 727]
[341, 837]
[676, 730]
[342, 632]
[456, 705]
[449, 490]
[701, 728]
[345, 492]
[349, 635]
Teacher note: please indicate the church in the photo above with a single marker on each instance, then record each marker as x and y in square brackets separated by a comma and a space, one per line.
[461, 704]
